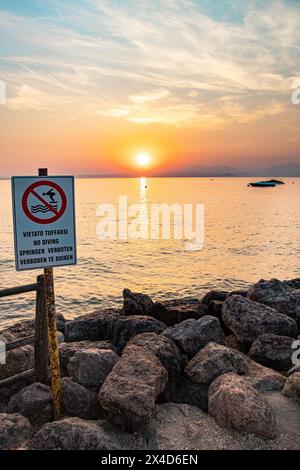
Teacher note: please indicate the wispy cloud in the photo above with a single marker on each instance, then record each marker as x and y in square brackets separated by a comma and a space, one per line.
[168, 62]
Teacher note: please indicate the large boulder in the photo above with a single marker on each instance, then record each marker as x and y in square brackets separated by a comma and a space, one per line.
[90, 367]
[79, 401]
[127, 327]
[99, 326]
[234, 403]
[175, 311]
[183, 390]
[274, 294]
[34, 402]
[15, 430]
[164, 349]
[273, 351]
[248, 319]
[292, 386]
[136, 303]
[67, 350]
[214, 360]
[264, 379]
[129, 392]
[18, 360]
[192, 335]
[79, 434]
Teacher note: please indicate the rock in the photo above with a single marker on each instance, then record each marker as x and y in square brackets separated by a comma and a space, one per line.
[231, 341]
[183, 390]
[129, 392]
[21, 329]
[234, 403]
[60, 337]
[127, 327]
[67, 350]
[17, 360]
[15, 430]
[60, 323]
[175, 311]
[214, 295]
[273, 351]
[293, 370]
[292, 283]
[214, 360]
[264, 379]
[248, 319]
[215, 310]
[79, 434]
[192, 335]
[79, 401]
[34, 402]
[7, 337]
[137, 304]
[99, 326]
[243, 293]
[7, 392]
[292, 386]
[25, 328]
[164, 349]
[274, 294]
[212, 302]
[90, 367]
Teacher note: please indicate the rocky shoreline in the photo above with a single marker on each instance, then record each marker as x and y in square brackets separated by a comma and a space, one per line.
[187, 374]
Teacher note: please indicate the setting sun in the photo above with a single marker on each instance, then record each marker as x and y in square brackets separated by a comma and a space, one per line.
[143, 159]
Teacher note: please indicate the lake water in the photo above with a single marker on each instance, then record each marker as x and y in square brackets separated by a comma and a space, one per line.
[250, 233]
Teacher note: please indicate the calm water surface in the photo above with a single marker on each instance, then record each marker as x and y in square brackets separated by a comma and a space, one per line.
[250, 233]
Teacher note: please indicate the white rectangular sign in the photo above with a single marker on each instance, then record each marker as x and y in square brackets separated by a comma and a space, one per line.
[44, 221]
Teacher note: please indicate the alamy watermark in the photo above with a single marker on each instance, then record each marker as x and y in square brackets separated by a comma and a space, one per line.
[2, 92]
[152, 222]
[2, 352]
[296, 354]
[296, 93]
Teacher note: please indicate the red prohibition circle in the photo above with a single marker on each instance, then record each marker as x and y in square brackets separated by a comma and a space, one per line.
[31, 190]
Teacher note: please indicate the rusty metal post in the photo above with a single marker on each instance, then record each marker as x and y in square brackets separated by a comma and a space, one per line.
[53, 342]
[41, 334]
[52, 333]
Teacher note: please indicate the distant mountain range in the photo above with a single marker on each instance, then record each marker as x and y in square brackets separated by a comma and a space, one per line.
[287, 170]
[290, 169]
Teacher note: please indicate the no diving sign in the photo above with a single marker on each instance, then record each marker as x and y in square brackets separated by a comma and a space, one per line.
[44, 221]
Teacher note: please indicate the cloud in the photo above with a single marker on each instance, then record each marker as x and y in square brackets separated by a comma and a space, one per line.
[31, 98]
[167, 62]
[154, 95]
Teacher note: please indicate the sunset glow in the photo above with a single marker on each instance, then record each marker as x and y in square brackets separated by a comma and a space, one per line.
[143, 159]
